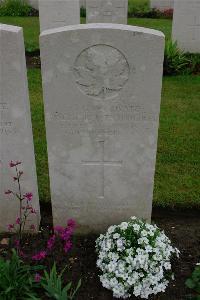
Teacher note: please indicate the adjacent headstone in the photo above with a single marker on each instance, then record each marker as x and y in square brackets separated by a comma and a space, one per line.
[162, 4]
[107, 11]
[58, 13]
[83, 3]
[33, 3]
[102, 86]
[16, 139]
[186, 25]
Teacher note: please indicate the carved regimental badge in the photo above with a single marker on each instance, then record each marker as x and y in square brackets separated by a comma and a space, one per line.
[101, 71]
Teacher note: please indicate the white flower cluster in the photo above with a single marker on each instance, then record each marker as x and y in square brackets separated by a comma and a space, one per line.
[135, 259]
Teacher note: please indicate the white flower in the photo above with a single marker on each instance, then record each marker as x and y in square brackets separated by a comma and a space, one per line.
[136, 227]
[143, 240]
[111, 229]
[112, 266]
[116, 236]
[124, 225]
[167, 266]
[143, 233]
[135, 263]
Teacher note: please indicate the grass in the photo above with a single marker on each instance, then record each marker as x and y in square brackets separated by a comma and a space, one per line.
[37, 109]
[178, 159]
[164, 25]
[31, 27]
[31, 30]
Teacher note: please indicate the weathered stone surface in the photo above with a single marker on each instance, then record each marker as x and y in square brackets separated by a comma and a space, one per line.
[102, 85]
[16, 140]
[33, 3]
[186, 25]
[58, 13]
[162, 4]
[83, 3]
[107, 11]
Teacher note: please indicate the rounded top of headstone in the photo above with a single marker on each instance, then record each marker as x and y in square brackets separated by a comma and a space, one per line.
[109, 26]
[5, 27]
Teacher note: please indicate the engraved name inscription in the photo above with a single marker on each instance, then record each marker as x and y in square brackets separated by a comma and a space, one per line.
[98, 121]
[6, 125]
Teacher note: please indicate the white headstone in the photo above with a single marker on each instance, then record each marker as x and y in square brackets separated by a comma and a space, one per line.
[107, 11]
[102, 86]
[33, 3]
[58, 13]
[16, 139]
[186, 25]
[83, 3]
[162, 4]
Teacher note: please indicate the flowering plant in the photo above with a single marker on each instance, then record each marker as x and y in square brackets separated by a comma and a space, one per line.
[60, 233]
[135, 259]
[25, 205]
[194, 282]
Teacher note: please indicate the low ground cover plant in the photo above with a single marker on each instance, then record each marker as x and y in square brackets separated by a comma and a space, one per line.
[15, 8]
[28, 281]
[193, 282]
[177, 62]
[17, 280]
[20, 281]
[52, 284]
[135, 259]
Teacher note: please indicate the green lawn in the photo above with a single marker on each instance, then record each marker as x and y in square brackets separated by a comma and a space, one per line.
[31, 27]
[31, 30]
[178, 160]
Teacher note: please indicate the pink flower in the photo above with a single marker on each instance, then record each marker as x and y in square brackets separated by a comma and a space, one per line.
[10, 226]
[21, 253]
[17, 243]
[14, 164]
[59, 229]
[71, 223]
[51, 242]
[18, 221]
[33, 211]
[32, 227]
[28, 196]
[8, 192]
[29, 207]
[37, 277]
[39, 256]
[66, 234]
[67, 246]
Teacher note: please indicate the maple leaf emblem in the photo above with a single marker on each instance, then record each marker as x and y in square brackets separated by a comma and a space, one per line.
[101, 71]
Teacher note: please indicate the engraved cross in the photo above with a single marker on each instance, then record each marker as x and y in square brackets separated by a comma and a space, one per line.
[102, 163]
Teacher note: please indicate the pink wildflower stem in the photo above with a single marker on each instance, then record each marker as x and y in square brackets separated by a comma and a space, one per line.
[20, 209]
